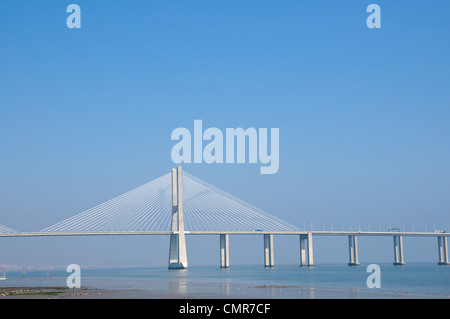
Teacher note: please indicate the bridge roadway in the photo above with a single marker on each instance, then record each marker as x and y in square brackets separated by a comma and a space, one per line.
[306, 242]
[314, 233]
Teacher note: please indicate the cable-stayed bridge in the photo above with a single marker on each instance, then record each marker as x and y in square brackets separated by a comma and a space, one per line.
[7, 230]
[147, 209]
[179, 204]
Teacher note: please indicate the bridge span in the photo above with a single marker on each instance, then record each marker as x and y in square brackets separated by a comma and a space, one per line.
[305, 240]
[179, 206]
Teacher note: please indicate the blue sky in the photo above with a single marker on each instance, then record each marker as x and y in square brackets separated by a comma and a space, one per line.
[87, 114]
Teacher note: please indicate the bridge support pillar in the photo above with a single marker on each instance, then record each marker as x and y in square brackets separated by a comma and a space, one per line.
[224, 251]
[353, 250]
[177, 248]
[268, 250]
[173, 251]
[443, 251]
[306, 247]
[398, 251]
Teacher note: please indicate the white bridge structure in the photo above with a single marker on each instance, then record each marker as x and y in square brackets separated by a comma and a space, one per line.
[179, 204]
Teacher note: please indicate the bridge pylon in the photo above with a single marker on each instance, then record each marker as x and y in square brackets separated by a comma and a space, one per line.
[177, 248]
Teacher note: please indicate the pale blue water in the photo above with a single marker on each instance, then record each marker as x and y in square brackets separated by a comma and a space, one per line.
[412, 278]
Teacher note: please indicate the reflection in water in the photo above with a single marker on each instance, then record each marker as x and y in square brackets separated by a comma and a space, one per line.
[225, 289]
[178, 287]
[354, 294]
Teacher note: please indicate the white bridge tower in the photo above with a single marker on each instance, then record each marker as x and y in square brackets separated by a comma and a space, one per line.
[177, 249]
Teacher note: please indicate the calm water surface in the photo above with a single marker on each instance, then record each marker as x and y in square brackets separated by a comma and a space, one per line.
[412, 278]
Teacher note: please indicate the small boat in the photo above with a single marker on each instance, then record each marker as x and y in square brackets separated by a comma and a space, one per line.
[3, 277]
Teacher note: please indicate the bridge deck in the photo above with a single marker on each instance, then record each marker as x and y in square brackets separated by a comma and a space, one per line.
[314, 233]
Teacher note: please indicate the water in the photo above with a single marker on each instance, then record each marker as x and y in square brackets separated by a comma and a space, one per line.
[252, 281]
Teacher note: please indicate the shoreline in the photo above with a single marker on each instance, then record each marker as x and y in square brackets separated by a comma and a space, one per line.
[164, 290]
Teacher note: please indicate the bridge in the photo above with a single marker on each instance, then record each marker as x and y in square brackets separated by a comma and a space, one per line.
[179, 204]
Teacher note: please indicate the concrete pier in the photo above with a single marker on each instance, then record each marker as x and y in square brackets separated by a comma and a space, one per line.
[443, 251]
[268, 250]
[224, 251]
[177, 247]
[353, 250]
[398, 251]
[306, 249]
